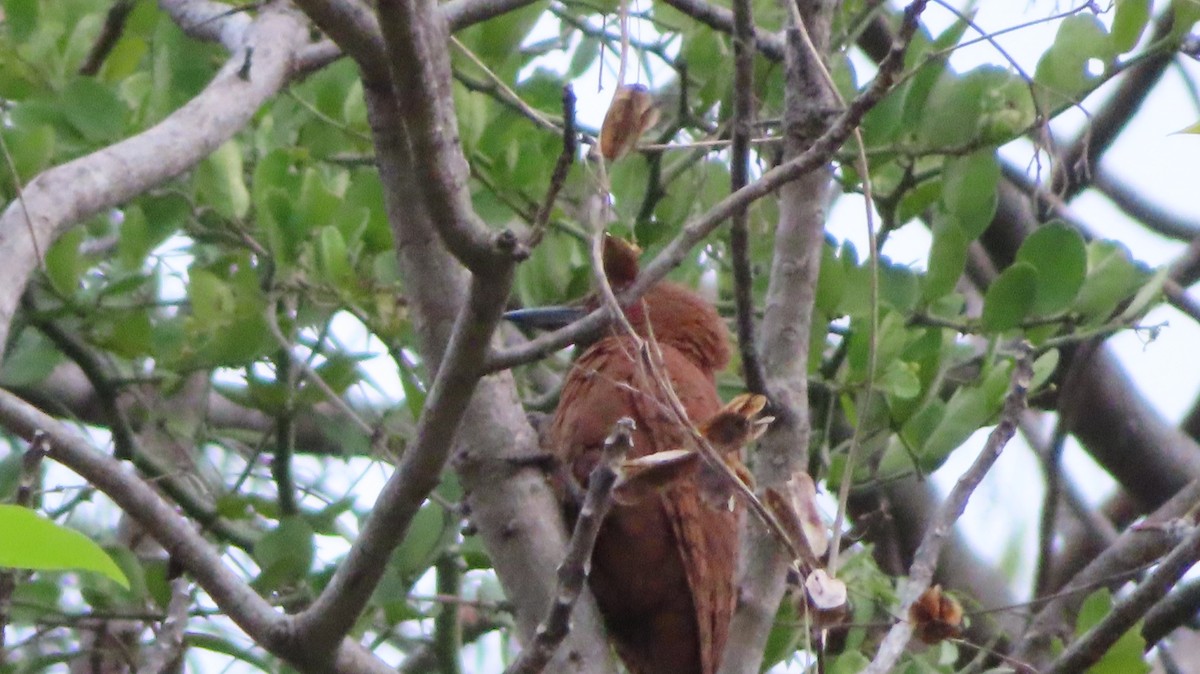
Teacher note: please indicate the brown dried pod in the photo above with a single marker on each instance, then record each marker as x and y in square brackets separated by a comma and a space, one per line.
[826, 597]
[935, 616]
[796, 509]
[620, 259]
[647, 474]
[630, 114]
[737, 424]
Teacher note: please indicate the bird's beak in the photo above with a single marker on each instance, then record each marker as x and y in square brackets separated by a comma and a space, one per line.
[545, 318]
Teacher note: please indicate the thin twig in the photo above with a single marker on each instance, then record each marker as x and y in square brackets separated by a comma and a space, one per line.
[925, 559]
[114, 25]
[573, 571]
[561, 167]
[739, 176]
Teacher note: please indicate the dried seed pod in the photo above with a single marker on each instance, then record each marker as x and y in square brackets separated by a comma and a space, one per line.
[630, 114]
[796, 509]
[935, 616]
[647, 474]
[620, 258]
[737, 424]
[826, 597]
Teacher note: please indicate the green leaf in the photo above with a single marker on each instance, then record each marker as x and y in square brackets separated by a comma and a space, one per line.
[94, 110]
[64, 263]
[969, 191]
[36, 543]
[30, 359]
[332, 257]
[1063, 74]
[947, 259]
[21, 18]
[221, 182]
[1146, 296]
[427, 536]
[1187, 13]
[1059, 255]
[284, 555]
[987, 103]
[1123, 657]
[1010, 298]
[1112, 277]
[1128, 23]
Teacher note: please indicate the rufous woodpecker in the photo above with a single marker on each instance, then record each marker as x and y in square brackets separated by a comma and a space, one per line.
[663, 566]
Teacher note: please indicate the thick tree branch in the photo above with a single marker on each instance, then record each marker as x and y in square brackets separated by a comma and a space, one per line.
[178, 537]
[509, 503]
[334, 612]
[416, 34]
[59, 198]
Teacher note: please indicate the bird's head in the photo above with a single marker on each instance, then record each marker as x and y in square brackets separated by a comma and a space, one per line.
[672, 313]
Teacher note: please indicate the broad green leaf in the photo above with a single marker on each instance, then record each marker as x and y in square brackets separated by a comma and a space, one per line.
[65, 264]
[36, 543]
[426, 537]
[1063, 73]
[285, 554]
[21, 18]
[29, 360]
[1128, 23]
[987, 103]
[1059, 255]
[1187, 13]
[1043, 369]
[1126, 656]
[831, 282]
[947, 259]
[968, 410]
[32, 149]
[221, 182]
[94, 110]
[899, 380]
[1112, 277]
[1010, 298]
[332, 257]
[969, 191]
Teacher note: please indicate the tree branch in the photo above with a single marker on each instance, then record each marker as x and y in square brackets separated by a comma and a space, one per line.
[334, 612]
[739, 176]
[415, 33]
[921, 572]
[1133, 550]
[61, 197]
[508, 502]
[573, 571]
[721, 19]
[178, 537]
[1089, 648]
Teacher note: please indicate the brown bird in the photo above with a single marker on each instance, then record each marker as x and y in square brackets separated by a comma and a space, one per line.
[663, 566]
